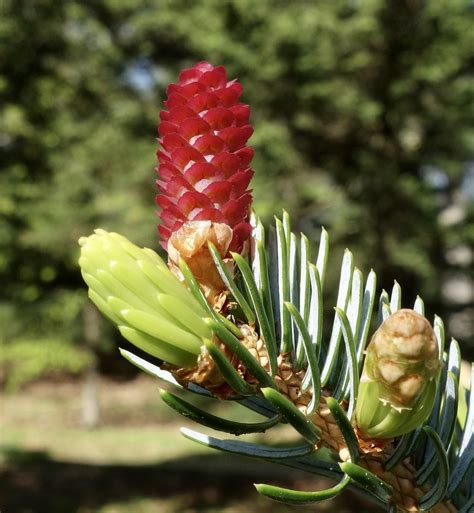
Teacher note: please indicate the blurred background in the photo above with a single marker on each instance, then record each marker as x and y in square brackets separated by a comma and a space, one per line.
[363, 116]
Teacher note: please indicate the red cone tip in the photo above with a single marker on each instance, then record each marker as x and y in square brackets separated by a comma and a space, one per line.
[203, 164]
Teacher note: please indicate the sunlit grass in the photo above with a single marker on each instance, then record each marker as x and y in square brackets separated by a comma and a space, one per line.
[134, 427]
[113, 445]
[135, 461]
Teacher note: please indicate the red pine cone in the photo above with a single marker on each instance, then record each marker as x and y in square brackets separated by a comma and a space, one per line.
[204, 163]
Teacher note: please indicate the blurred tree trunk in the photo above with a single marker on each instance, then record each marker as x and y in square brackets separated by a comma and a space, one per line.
[90, 402]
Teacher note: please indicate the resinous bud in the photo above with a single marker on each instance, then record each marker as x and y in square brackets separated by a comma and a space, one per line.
[399, 378]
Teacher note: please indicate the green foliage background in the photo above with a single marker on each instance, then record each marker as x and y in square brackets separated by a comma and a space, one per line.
[363, 116]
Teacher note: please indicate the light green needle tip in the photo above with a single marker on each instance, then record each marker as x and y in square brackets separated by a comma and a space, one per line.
[135, 289]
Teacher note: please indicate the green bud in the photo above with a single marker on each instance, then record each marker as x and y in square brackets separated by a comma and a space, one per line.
[135, 289]
[399, 379]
